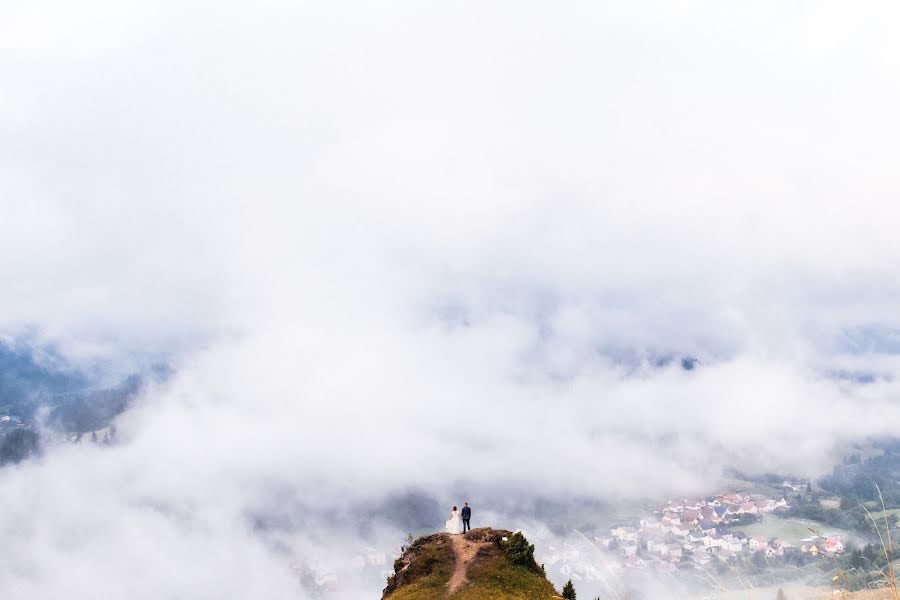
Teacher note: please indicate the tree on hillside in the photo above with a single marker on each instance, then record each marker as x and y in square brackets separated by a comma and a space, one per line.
[568, 591]
[849, 502]
[780, 595]
[519, 551]
[19, 445]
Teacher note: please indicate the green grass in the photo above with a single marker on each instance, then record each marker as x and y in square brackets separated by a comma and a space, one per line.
[437, 558]
[790, 530]
[494, 579]
[499, 580]
[433, 586]
[754, 487]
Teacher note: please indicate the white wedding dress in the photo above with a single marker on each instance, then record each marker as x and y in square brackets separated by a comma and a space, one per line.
[454, 524]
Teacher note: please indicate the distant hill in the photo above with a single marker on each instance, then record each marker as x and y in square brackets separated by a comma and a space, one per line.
[483, 564]
[32, 377]
[28, 377]
[39, 389]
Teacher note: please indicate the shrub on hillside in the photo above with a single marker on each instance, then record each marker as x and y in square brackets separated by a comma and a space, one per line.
[519, 551]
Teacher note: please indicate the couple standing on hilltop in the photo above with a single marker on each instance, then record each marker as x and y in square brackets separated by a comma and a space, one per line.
[459, 523]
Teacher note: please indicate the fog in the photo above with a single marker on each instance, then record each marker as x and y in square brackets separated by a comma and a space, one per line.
[457, 250]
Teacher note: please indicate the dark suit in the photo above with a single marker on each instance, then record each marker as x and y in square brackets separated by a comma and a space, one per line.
[466, 515]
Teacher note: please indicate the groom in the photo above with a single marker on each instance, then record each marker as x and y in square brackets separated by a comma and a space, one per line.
[466, 515]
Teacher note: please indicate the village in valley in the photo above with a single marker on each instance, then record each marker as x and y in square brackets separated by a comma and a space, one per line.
[697, 533]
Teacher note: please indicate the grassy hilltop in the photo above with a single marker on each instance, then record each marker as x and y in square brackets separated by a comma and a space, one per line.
[478, 565]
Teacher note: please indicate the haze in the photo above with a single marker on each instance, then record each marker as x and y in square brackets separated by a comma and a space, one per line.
[450, 248]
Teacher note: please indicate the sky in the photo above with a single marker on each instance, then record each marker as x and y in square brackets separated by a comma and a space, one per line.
[448, 248]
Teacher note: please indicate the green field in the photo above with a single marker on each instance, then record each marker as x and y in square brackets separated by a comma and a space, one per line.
[754, 487]
[790, 530]
[878, 515]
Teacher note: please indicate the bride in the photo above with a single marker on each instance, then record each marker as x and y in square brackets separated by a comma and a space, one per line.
[454, 523]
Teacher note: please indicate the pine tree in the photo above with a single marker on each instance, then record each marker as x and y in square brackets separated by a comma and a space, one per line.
[568, 591]
[519, 551]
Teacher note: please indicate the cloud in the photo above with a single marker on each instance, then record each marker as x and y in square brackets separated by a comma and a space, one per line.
[433, 248]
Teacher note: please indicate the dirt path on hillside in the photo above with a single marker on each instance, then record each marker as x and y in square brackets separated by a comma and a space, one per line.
[465, 552]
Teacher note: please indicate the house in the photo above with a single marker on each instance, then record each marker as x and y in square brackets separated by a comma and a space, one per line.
[675, 551]
[707, 513]
[707, 526]
[732, 543]
[651, 525]
[748, 508]
[625, 534]
[811, 549]
[833, 545]
[759, 543]
[680, 530]
[670, 519]
[713, 540]
[690, 516]
[656, 545]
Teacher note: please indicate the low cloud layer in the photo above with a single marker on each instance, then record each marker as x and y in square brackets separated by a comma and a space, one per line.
[452, 249]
